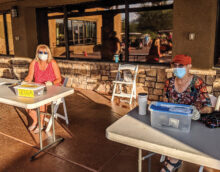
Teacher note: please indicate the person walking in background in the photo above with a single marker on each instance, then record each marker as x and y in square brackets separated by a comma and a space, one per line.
[111, 46]
[43, 70]
[154, 52]
[115, 47]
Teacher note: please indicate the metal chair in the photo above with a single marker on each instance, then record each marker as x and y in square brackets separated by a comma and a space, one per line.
[125, 81]
[56, 106]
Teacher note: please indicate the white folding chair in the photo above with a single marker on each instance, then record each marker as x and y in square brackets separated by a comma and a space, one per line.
[56, 106]
[123, 81]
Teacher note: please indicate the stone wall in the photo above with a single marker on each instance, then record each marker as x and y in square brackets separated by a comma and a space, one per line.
[98, 76]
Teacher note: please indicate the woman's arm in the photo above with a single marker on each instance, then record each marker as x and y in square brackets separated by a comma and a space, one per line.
[203, 101]
[30, 76]
[56, 72]
[118, 47]
[158, 48]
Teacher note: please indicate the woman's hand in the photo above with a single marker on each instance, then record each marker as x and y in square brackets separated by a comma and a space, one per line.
[48, 83]
[24, 82]
[206, 109]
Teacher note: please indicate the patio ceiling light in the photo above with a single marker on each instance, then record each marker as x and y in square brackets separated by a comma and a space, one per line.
[191, 36]
[14, 11]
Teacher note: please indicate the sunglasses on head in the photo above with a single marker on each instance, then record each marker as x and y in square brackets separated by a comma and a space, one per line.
[175, 65]
[41, 52]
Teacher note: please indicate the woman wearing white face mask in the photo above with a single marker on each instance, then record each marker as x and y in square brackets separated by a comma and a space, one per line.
[184, 88]
[44, 70]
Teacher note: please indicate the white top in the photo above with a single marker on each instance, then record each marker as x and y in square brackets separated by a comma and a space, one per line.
[8, 96]
[200, 146]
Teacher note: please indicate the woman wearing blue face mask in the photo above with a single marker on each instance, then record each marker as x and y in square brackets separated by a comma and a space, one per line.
[44, 70]
[184, 88]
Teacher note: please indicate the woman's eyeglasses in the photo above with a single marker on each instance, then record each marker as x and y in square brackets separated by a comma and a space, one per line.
[175, 65]
[41, 52]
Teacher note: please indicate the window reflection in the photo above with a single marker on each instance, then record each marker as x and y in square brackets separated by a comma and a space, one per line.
[10, 34]
[2, 36]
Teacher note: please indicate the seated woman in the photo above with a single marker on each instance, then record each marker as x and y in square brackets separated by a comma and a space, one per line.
[44, 70]
[185, 88]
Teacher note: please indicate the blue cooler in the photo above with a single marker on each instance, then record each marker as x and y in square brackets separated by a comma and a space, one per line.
[171, 116]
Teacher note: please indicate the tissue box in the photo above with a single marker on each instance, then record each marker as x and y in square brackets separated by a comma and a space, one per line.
[29, 90]
[170, 116]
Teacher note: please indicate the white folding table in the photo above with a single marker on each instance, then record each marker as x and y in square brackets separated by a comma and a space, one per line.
[8, 96]
[200, 146]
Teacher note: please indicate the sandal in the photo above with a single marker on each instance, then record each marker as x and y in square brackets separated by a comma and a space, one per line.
[175, 166]
[32, 127]
[37, 130]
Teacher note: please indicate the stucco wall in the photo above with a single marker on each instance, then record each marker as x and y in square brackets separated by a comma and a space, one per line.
[25, 29]
[199, 17]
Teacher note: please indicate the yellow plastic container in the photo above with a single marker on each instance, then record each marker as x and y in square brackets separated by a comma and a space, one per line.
[29, 90]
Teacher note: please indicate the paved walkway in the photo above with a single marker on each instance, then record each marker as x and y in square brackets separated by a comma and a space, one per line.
[85, 147]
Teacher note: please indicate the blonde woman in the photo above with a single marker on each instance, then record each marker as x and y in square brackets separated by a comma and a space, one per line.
[44, 70]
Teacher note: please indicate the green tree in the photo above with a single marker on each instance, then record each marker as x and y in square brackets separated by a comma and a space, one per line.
[155, 20]
[133, 25]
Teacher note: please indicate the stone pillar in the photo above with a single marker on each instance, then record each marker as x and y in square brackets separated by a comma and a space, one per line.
[25, 32]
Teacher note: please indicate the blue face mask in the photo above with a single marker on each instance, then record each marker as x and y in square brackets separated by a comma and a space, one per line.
[179, 72]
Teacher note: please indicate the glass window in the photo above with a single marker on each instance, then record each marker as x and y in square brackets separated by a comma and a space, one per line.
[150, 33]
[60, 32]
[84, 32]
[70, 32]
[2, 36]
[6, 46]
[10, 34]
[217, 42]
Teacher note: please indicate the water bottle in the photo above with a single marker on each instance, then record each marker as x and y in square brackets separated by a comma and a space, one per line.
[116, 56]
[142, 102]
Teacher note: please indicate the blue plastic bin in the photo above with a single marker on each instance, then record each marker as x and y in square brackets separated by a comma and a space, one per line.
[171, 116]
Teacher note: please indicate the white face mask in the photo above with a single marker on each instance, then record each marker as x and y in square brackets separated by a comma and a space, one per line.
[43, 57]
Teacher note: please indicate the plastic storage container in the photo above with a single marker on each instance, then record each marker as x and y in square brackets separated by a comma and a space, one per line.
[171, 116]
[29, 90]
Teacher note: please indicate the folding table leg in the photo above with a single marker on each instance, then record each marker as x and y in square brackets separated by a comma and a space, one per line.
[201, 168]
[39, 125]
[54, 140]
[139, 160]
[149, 164]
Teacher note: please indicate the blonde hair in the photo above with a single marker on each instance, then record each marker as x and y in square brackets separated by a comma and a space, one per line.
[48, 51]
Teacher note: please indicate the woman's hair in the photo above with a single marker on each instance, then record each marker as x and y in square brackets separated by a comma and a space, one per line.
[48, 51]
